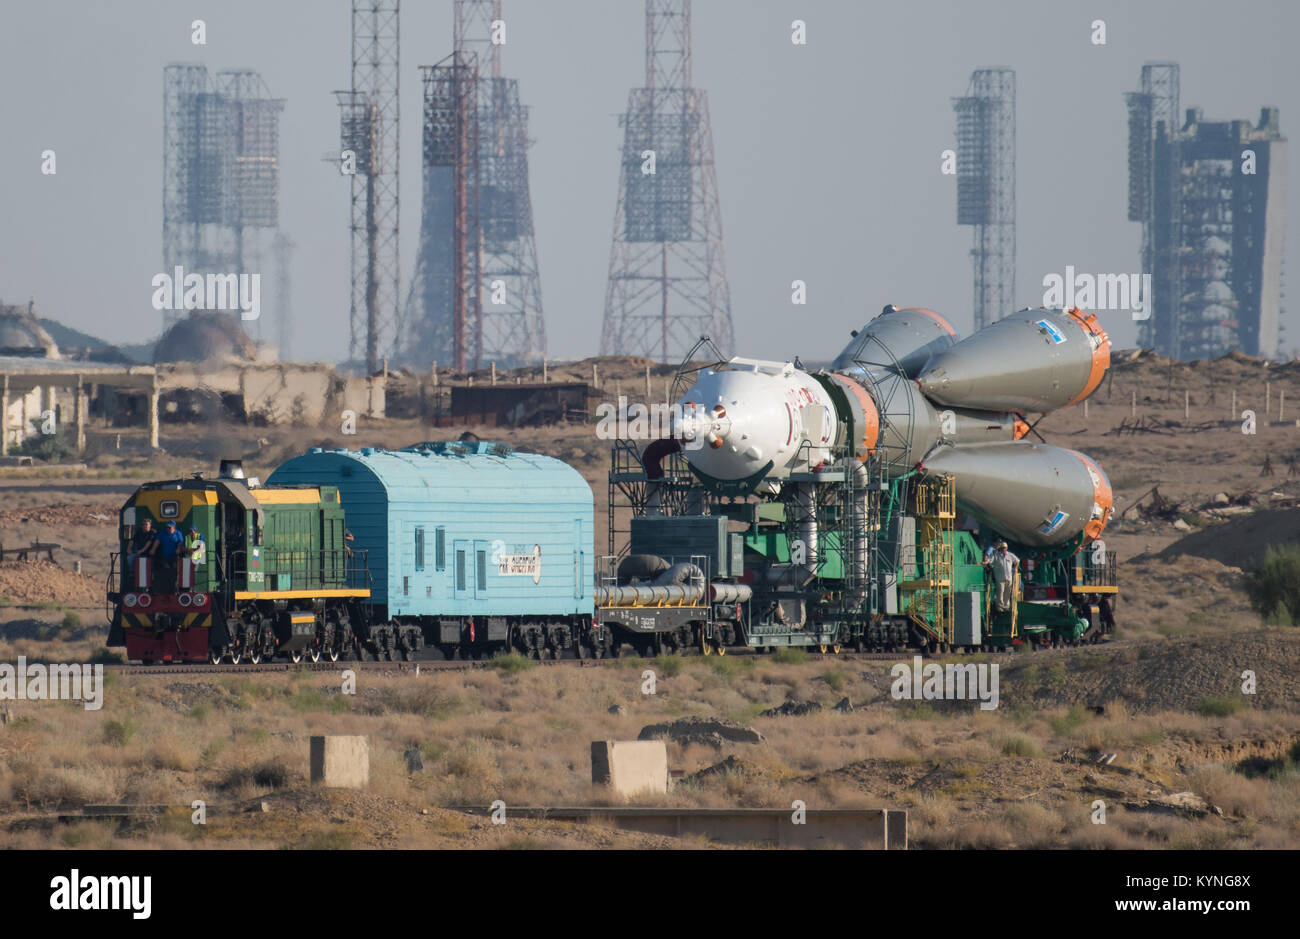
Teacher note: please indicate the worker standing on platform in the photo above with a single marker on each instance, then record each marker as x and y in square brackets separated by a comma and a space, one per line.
[170, 545]
[195, 546]
[144, 543]
[1004, 565]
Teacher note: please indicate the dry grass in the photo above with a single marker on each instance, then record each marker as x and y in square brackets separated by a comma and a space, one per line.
[970, 778]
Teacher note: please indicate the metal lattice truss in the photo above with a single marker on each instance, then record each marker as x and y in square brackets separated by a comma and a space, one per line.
[368, 127]
[221, 171]
[476, 296]
[986, 187]
[667, 279]
[443, 303]
[1155, 197]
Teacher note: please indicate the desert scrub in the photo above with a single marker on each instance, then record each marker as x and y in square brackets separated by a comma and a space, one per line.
[1016, 744]
[1219, 707]
[119, 733]
[511, 662]
[669, 666]
[790, 656]
[1066, 724]
[308, 700]
[1274, 585]
[729, 666]
[835, 678]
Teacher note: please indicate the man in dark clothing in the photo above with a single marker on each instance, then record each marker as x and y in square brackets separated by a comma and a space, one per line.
[143, 544]
[170, 545]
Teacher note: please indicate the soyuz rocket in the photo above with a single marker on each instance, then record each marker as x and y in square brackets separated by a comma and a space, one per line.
[907, 387]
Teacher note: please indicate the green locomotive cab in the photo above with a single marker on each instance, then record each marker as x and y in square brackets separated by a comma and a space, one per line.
[242, 572]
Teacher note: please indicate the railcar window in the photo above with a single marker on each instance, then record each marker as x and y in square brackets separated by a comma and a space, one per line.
[460, 570]
[419, 549]
[482, 570]
[440, 548]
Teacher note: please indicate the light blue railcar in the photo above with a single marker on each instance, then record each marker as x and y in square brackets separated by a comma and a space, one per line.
[470, 545]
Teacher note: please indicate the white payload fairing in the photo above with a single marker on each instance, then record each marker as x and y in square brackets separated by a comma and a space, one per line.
[907, 387]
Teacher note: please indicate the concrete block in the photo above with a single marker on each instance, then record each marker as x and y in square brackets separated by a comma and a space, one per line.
[340, 762]
[630, 767]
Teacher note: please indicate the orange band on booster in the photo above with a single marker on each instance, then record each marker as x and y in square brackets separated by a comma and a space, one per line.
[943, 323]
[870, 416]
[1100, 355]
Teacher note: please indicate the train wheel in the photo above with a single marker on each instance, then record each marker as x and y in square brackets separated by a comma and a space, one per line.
[314, 654]
[706, 647]
[255, 655]
[295, 656]
[835, 648]
[821, 647]
[720, 649]
[580, 650]
[215, 656]
[332, 653]
[236, 657]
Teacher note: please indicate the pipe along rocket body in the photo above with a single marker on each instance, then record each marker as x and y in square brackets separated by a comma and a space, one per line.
[908, 387]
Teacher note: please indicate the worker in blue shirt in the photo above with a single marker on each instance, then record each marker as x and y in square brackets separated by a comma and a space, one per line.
[170, 544]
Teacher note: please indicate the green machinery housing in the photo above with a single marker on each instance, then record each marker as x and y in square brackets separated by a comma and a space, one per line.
[847, 556]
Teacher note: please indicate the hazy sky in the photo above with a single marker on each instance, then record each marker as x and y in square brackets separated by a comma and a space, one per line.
[828, 154]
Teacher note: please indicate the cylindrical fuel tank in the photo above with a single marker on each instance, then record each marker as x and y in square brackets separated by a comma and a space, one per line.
[1030, 361]
[1032, 493]
[907, 426]
[911, 337]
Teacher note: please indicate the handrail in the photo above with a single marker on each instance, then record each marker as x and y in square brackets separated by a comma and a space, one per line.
[332, 566]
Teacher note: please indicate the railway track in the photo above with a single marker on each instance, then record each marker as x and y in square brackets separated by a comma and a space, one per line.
[420, 667]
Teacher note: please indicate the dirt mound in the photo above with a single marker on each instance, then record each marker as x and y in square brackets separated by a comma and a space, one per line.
[1187, 675]
[1243, 541]
[1182, 592]
[27, 582]
[731, 766]
[60, 515]
[713, 731]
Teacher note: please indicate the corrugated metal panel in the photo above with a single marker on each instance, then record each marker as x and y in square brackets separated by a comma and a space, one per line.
[519, 506]
[678, 538]
[966, 618]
